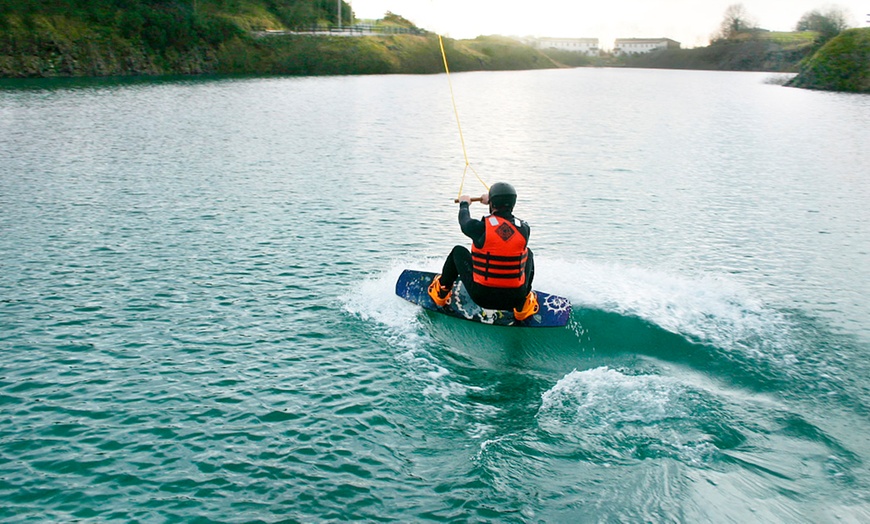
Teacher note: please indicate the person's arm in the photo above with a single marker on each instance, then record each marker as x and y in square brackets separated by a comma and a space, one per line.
[472, 228]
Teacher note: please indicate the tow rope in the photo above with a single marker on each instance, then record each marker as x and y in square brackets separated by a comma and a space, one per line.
[458, 125]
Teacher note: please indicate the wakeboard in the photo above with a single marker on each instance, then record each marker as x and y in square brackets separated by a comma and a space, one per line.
[413, 286]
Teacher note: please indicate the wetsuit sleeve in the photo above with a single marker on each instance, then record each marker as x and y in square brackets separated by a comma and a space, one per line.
[472, 228]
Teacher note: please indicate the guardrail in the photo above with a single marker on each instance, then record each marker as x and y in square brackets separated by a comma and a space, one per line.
[353, 30]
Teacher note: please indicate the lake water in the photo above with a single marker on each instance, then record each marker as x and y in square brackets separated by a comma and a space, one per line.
[198, 322]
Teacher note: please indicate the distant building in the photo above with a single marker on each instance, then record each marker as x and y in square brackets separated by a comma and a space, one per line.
[636, 46]
[588, 46]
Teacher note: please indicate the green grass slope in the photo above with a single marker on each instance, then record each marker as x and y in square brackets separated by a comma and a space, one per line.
[842, 64]
[407, 54]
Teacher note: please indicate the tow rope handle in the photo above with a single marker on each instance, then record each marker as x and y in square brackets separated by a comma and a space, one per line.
[473, 199]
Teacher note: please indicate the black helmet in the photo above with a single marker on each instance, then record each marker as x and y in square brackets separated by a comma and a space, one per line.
[502, 196]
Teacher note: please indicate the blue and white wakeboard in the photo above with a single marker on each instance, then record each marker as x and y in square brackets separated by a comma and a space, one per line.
[413, 286]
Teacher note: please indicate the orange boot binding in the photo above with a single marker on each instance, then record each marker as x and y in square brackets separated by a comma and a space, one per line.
[530, 307]
[440, 295]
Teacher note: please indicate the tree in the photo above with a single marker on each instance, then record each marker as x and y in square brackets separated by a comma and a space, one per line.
[735, 21]
[828, 24]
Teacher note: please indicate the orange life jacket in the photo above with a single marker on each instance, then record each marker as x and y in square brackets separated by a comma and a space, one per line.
[501, 262]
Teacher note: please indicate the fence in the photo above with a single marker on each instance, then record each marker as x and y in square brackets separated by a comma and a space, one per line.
[352, 30]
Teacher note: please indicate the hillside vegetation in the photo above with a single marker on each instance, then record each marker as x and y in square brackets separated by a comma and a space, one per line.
[842, 64]
[48, 38]
[770, 51]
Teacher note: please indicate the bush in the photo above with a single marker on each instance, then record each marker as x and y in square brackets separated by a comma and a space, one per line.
[214, 30]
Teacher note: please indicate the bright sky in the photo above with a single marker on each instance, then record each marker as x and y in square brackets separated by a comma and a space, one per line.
[690, 22]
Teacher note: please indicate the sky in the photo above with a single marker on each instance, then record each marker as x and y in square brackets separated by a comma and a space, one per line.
[690, 22]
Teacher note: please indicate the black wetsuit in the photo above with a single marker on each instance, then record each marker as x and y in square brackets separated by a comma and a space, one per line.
[458, 264]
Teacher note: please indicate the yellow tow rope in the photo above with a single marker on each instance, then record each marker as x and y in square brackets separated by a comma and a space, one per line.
[458, 125]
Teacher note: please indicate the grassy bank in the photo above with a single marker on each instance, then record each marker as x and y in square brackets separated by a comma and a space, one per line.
[843, 64]
[412, 54]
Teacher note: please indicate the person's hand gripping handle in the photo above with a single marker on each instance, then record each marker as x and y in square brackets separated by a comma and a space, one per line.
[483, 199]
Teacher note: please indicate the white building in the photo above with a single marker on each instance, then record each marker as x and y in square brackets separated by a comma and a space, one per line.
[588, 46]
[636, 46]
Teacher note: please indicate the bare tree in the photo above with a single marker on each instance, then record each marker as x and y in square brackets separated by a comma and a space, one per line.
[736, 20]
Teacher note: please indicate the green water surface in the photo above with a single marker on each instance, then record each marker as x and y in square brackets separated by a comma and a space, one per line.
[197, 317]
